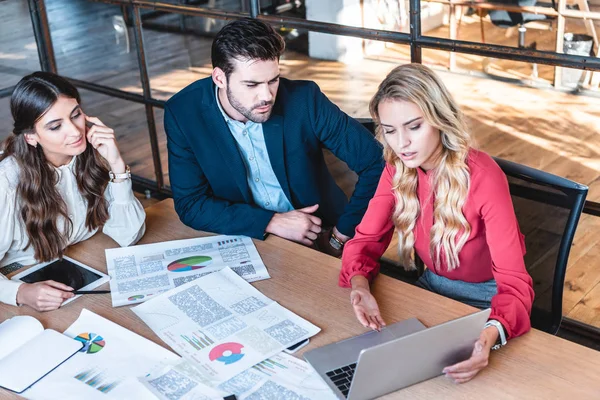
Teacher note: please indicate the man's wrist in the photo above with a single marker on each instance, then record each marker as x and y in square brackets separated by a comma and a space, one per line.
[271, 226]
[335, 242]
[339, 236]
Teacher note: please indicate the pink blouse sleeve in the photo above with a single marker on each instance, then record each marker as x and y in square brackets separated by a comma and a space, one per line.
[511, 306]
[373, 235]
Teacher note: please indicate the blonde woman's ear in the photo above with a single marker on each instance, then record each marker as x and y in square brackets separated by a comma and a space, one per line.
[31, 139]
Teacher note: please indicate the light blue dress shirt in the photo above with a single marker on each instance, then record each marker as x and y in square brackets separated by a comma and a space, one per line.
[264, 186]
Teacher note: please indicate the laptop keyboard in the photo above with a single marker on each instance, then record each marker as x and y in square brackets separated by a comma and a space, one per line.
[342, 377]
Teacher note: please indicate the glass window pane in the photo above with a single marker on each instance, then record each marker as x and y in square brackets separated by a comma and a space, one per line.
[18, 51]
[6, 121]
[159, 114]
[93, 42]
[177, 59]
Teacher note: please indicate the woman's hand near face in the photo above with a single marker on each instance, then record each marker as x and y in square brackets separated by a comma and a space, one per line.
[44, 296]
[102, 138]
[364, 304]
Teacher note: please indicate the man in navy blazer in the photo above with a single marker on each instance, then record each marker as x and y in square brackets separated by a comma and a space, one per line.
[245, 148]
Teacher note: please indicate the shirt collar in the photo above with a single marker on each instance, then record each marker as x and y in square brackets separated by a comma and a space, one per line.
[227, 118]
[69, 166]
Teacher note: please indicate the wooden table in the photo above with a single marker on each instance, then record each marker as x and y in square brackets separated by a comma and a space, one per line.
[535, 366]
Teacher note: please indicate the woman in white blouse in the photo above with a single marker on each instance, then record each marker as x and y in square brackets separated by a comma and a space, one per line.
[60, 182]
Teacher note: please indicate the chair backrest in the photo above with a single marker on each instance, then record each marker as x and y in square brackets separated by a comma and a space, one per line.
[548, 208]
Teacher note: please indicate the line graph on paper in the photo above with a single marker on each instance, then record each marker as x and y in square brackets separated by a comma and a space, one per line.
[267, 317]
[232, 294]
[160, 321]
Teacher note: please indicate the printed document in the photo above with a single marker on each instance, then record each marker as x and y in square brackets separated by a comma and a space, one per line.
[279, 377]
[222, 325]
[108, 365]
[139, 273]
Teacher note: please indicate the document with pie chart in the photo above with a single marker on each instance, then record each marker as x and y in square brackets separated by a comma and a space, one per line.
[138, 273]
[222, 325]
[107, 366]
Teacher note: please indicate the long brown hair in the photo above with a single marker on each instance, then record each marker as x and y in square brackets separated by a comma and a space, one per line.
[41, 205]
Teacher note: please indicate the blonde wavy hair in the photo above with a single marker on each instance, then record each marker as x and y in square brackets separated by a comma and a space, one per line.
[419, 85]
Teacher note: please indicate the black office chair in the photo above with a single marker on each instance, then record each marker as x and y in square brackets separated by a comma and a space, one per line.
[548, 208]
[505, 19]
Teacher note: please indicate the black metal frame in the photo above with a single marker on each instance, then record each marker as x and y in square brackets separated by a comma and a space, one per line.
[575, 194]
[414, 39]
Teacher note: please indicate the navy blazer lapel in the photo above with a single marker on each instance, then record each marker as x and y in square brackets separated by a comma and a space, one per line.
[221, 135]
[273, 132]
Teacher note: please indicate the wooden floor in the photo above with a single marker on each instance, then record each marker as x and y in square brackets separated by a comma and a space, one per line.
[546, 129]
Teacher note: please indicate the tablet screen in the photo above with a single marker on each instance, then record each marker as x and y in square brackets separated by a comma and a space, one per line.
[63, 271]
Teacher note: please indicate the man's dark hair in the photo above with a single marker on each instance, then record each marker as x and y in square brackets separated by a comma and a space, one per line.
[245, 39]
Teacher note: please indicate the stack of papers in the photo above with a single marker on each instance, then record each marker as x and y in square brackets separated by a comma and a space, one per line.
[139, 273]
[222, 325]
[229, 334]
[279, 377]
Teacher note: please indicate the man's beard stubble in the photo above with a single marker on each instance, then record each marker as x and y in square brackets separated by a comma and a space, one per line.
[248, 113]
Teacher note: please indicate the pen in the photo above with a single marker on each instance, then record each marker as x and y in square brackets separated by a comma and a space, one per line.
[90, 291]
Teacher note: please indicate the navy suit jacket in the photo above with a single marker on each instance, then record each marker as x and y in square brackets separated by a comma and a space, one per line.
[208, 176]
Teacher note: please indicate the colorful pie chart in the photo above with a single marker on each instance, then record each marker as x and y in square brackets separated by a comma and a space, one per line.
[189, 263]
[92, 342]
[227, 353]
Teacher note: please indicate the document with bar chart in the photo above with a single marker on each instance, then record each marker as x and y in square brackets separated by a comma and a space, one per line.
[222, 325]
[138, 273]
[107, 366]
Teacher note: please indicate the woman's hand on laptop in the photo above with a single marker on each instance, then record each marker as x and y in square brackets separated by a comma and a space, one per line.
[466, 370]
[364, 304]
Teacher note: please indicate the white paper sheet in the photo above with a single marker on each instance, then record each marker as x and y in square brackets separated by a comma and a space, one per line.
[107, 367]
[287, 377]
[222, 324]
[172, 383]
[17, 331]
[139, 273]
[279, 377]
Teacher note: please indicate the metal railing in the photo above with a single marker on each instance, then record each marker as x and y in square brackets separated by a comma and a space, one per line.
[415, 39]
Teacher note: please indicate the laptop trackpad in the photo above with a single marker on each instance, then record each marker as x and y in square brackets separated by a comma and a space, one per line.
[346, 352]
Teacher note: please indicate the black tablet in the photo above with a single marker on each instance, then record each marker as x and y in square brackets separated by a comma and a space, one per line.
[66, 270]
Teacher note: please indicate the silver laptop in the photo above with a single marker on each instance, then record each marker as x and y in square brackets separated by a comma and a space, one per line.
[402, 354]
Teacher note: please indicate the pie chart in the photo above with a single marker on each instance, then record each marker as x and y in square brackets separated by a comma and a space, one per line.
[92, 342]
[189, 263]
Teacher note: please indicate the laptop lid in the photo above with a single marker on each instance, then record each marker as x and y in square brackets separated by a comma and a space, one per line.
[335, 355]
[414, 358]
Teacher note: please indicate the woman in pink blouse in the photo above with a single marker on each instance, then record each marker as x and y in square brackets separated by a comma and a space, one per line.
[450, 204]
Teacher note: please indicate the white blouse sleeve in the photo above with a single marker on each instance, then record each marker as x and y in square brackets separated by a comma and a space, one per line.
[8, 288]
[126, 216]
